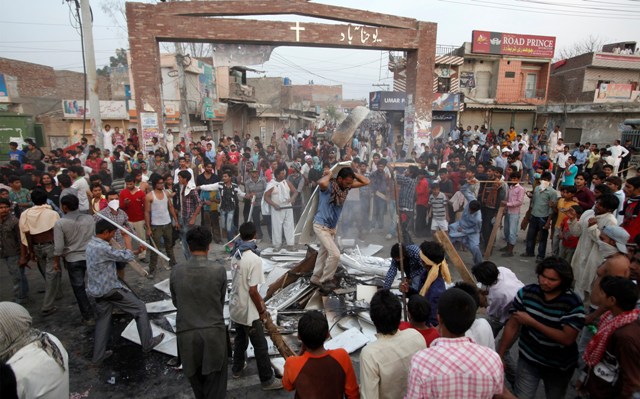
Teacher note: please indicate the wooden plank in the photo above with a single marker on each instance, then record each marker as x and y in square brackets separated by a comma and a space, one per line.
[454, 257]
[494, 233]
[305, 266]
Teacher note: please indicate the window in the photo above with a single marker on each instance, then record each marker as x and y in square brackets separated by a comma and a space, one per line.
[509, 74]
[444, 85]
[530, 85]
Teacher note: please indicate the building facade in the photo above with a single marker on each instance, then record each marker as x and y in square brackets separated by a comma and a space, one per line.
[503, 78]
[592, 94]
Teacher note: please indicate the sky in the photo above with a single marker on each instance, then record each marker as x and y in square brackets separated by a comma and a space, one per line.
[45, 32]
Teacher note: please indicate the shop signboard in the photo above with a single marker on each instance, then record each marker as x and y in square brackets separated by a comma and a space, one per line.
[499, 43]
[387, 101]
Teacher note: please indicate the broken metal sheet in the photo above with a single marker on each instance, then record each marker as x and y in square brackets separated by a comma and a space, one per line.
[350, 340]
[365, 264]
[288, 259]
[349, 322]
[367, 327]
[289, 295]
[163, 286]
[160, 306]
[365, 292]
[369, 250]
[278, 364]
[315, 303]
[283, 252]
[168, 346]
[171, 319]
[271, 348]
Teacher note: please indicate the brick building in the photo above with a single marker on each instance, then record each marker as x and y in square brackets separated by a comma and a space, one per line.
[503, 78]
[592, 94]
[37, 92]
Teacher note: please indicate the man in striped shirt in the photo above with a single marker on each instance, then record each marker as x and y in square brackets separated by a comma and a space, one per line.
[549, 316]
[454, 366]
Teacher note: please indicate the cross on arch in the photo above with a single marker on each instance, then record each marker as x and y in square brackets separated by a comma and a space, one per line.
[297, 28]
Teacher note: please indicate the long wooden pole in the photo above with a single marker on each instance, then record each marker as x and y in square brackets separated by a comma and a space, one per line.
[400, 246]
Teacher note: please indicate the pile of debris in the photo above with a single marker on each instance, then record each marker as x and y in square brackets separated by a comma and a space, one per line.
[289, 294]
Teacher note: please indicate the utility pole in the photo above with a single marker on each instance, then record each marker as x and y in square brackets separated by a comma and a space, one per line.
[92, 78]
[182, 82]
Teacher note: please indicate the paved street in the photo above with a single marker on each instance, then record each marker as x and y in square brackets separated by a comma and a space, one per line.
[130, 373]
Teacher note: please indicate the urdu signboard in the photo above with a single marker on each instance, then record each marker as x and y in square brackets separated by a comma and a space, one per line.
[484, 42]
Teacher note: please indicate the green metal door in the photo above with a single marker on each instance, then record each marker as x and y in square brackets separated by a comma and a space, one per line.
[14, 127]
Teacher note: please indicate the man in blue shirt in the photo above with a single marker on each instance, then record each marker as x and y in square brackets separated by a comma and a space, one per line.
[107, 290]
[528, 159]
[15, 154]
[332, 195]
[581, 157]
[467, 230]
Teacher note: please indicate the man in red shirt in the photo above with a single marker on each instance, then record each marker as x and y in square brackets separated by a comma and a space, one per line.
[631, 221]
[132, 202]
[422, 201]
[233, 155]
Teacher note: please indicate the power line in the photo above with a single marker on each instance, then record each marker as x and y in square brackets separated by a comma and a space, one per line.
[529, 10]
[47, 24]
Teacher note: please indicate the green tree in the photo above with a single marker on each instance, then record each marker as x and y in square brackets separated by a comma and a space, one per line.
[119, 60]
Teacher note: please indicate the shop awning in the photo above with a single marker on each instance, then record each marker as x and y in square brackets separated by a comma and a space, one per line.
[508, 107]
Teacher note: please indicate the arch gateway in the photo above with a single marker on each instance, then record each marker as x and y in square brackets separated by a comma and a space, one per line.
[209, 22]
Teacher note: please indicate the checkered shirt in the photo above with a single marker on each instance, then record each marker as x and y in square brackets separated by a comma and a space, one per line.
[101, 266]
[455, 368]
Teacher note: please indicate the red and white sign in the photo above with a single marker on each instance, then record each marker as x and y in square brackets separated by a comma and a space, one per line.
[500, 43]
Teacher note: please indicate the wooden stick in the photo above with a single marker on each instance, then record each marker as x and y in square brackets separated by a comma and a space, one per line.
[135, 237]
[401, 262]
[134, 263]
[629, 168]
[494, 232]
[443, 239]
[276, 337]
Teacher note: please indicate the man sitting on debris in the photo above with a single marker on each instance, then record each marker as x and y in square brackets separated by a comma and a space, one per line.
[333, 367]
[413, 268]
[332, 195]
[198, 289]
[247, 309]
[384, 363]
[467, 230]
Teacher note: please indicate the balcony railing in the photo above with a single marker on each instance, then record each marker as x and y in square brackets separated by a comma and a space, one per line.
[537, 93]
[443, 49]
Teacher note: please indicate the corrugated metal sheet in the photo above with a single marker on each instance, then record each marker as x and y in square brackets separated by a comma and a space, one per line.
[501, 106]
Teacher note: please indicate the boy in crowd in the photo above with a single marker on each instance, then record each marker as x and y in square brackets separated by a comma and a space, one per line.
[419, 314]
[333, 367]
[438, 207]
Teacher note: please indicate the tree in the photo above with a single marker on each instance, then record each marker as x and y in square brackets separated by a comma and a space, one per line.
[120, 60]
[587, 45]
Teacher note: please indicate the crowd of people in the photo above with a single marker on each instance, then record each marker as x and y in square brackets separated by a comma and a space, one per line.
[60, 209]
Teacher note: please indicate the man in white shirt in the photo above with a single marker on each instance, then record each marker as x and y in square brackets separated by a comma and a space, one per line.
[247, 309]
[384, 363]
[182, 165]
[107, 135]
[500, 286]
[617, 153]
[76, 173]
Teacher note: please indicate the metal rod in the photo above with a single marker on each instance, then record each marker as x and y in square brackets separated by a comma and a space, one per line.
[138, 240]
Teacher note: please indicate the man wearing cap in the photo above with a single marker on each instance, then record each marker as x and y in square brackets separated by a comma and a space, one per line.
[613, 248]
[503, 160]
